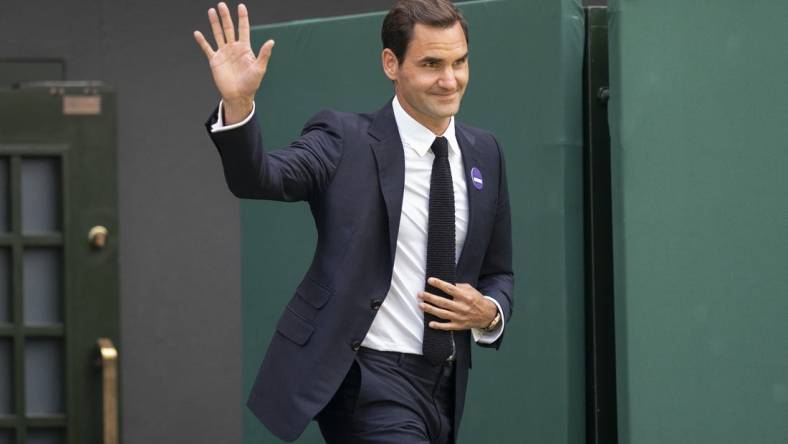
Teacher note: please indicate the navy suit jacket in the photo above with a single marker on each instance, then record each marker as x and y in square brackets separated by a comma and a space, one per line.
[350, 168]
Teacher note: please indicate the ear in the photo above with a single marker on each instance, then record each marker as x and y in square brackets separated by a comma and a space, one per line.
[390, 64]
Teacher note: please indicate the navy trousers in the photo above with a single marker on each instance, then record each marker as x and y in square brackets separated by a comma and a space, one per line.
[391, 398]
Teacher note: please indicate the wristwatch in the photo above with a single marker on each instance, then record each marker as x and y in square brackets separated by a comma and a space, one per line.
[496, 320]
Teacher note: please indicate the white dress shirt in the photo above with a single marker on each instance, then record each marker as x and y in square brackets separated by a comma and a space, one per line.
[399, 324]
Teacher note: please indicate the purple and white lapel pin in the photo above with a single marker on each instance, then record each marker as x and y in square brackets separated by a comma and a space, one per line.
[476, 178]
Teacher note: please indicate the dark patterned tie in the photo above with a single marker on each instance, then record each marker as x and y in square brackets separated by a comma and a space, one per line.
[438, 345]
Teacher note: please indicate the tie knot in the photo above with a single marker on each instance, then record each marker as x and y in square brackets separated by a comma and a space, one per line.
[440, 147]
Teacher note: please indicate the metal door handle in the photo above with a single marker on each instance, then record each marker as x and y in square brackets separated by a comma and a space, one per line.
[97, 236]
[109, 389]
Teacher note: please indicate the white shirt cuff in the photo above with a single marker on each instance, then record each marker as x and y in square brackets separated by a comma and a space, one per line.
[219, 125]
[488, 337]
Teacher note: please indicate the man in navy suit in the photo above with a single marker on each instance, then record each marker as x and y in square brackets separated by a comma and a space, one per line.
[414, 237]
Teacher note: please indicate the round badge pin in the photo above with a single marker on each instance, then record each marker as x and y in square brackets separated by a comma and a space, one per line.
[476, 178]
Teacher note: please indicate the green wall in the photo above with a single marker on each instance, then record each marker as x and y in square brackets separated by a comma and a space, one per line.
[699, 123]
[525, 87]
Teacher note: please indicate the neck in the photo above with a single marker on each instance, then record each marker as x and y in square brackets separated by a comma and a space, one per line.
[437, 126]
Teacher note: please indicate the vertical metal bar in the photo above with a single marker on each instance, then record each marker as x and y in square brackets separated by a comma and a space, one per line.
[601, 414]
[109, 390]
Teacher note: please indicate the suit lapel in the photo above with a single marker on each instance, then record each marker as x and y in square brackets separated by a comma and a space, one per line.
[470, 159]
[390, 162]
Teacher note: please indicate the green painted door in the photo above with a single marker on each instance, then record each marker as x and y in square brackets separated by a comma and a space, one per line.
[58, 280]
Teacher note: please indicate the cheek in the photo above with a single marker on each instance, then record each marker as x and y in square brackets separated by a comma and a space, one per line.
[418, 84]
[423, 83]
[410, 82]
[462, 78]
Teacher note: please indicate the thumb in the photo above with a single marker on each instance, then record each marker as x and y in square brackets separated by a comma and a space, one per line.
[265, 54]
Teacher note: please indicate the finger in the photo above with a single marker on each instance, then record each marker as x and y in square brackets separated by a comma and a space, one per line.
[227, 22]
[440, 301]
[216, 28]
[447, 288]
[243, 23]
[439, 312]
[446, 326]
[265, 54]
[206, 47]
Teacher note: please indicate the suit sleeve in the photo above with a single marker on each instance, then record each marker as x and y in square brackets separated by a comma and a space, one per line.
[496, 279]
[300, 171]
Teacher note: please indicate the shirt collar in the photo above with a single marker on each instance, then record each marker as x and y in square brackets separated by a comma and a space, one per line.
[415, 135]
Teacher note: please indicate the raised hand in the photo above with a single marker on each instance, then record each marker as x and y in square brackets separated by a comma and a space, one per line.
[236, 71]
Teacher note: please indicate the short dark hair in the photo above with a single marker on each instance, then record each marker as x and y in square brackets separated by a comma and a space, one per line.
[398, 25]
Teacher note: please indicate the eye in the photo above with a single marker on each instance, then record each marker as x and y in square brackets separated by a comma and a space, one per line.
[459, 62]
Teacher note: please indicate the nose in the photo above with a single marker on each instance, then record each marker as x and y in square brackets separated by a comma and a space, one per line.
[448, 79]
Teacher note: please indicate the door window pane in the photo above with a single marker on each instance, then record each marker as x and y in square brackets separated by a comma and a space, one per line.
[4, 199]
[40, 195]
[44, 436]
[6, 377]
[41, 286]
[43, 376]
[5, 287]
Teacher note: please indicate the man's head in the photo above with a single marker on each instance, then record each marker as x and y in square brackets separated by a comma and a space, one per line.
[425, 54]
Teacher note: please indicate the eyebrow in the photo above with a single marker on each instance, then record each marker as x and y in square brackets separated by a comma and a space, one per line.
[429, 59]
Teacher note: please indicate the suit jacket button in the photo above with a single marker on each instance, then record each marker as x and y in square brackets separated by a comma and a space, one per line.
[355, 345]
[376, 303]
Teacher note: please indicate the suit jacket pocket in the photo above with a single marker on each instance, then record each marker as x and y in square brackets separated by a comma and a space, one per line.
[309, 298]
[313, 293]
[293, 327]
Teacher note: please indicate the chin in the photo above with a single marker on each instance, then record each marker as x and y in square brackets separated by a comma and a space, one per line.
[447, 110]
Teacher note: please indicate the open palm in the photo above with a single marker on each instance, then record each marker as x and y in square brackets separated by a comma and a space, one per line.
[236, 71]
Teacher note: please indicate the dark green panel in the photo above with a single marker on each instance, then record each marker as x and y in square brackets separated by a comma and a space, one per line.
[525, 87]
[698, 113]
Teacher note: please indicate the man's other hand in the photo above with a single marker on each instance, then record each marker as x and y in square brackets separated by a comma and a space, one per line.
[468, 308]
[236, 71]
